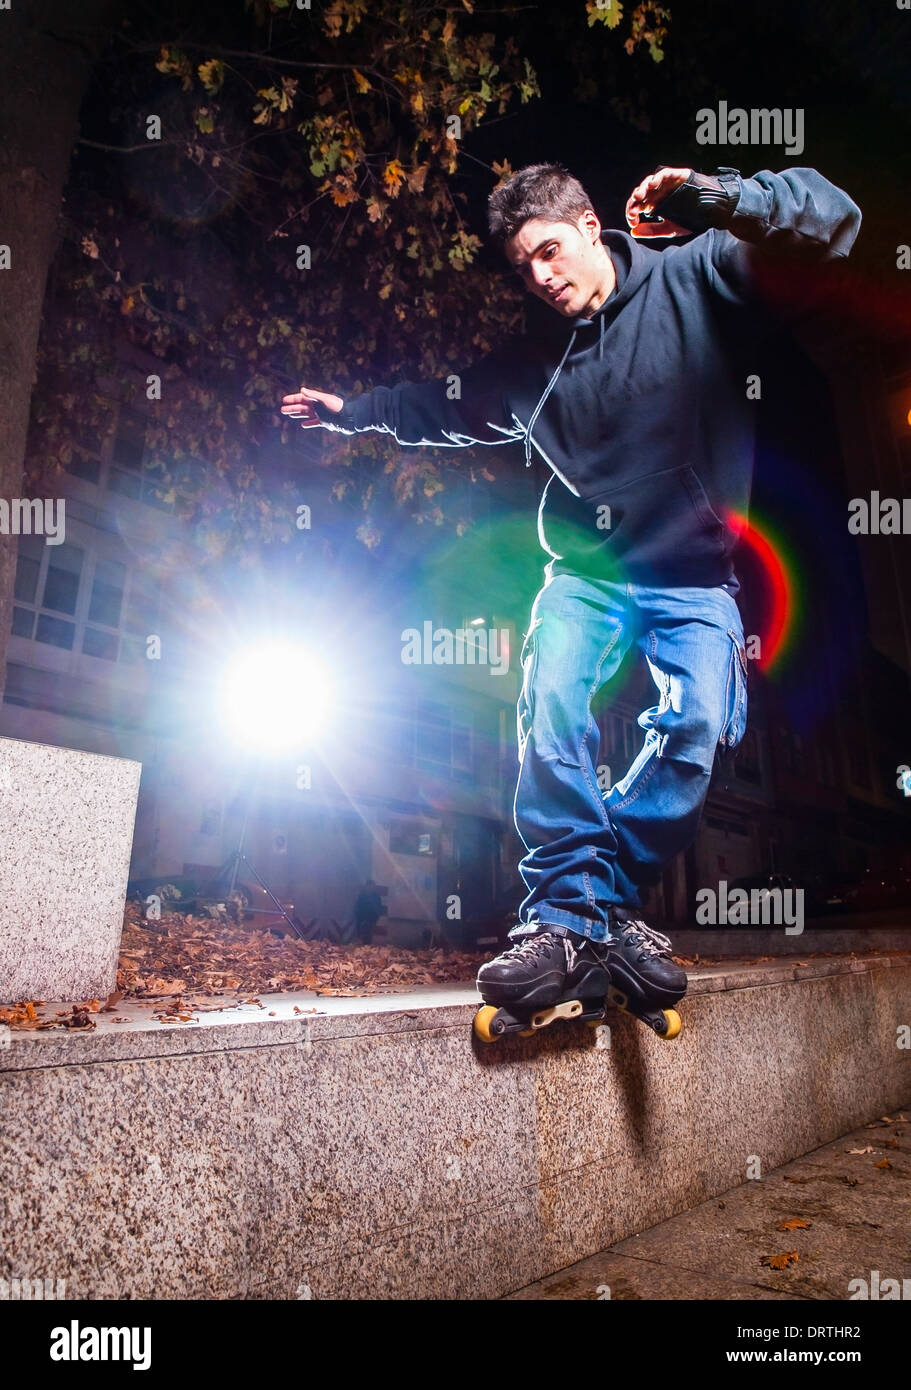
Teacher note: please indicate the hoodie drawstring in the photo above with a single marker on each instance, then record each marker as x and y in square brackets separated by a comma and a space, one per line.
[552, 383]
[550, 386]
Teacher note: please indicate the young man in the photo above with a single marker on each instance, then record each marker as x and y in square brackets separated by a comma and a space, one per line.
[632, 386]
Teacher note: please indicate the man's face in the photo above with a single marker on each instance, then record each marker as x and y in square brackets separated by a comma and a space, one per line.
[565, 265]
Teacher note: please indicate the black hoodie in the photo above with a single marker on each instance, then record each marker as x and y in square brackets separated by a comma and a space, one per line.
[642, 412]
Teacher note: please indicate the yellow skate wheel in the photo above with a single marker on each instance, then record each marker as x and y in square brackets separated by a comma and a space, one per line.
[482, 1021]
[528, 1032]
[674, 1023]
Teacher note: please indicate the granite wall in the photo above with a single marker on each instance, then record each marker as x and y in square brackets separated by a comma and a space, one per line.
[383, 1153]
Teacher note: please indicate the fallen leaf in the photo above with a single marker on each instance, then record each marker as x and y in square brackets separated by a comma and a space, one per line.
[80, 1019]
[794, 1224]
[789, 1257]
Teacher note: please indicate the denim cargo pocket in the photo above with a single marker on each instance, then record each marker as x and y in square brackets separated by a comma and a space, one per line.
[735, 695]
[529, 662]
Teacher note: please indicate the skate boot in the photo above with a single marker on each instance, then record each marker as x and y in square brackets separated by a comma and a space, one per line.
[644, 979]
[542, 978]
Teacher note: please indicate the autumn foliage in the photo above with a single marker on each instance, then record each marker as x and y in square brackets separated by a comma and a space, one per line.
[298, 214]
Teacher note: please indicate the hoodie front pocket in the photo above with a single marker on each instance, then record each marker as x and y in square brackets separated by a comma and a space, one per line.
[710, 519]
[661, 518]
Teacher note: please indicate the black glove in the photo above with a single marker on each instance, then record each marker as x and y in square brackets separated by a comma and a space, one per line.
[705, 200]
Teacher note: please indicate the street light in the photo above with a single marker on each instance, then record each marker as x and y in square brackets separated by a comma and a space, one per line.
[275, 697]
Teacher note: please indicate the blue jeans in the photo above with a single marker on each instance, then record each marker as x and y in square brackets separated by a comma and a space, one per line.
[591, 848]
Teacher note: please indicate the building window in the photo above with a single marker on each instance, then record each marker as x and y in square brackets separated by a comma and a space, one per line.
[61, 583]
[85, 466]
[135, 471]
[793, 752]
[66, 597]
[87, 457]
[747, 767]
[122, 465]
[410, 837]
[210, 824]
[434, 735]
[47, 580]
[461, 747]
[444, 743]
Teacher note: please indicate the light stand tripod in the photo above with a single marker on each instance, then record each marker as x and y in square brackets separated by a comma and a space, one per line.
[232, 865]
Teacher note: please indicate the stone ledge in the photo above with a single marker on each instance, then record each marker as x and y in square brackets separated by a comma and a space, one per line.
[440, 1006]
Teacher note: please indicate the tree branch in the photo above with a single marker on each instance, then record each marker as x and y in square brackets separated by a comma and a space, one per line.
[129, 149]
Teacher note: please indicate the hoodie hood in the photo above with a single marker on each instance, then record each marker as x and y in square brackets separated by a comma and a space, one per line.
[633, 264]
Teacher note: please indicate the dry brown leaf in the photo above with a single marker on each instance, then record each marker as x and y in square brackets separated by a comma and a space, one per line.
[80, 1019]
[789, 1257]
[210, 958]
[883, 1163]
[867, 1150]
[794, 1224]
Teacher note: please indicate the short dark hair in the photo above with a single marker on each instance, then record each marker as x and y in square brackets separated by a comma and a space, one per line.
[538, 190]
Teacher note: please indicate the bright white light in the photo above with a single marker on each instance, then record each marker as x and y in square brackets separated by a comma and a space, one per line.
[276, 696]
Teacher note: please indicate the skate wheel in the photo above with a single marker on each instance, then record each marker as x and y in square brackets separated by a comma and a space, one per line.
[674, 1023]
[527, 1032]
[482, 1022]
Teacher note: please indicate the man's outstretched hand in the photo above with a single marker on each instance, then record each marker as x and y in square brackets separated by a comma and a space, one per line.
[300, 405]
[647, 196]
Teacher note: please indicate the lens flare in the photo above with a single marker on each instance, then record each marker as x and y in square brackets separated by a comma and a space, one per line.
[769, 552]
[276, 696]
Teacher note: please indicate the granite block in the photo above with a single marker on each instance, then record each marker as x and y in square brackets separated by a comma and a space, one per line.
[380, 1133]
[66, 834]
[127, 1181]
[475, 1254]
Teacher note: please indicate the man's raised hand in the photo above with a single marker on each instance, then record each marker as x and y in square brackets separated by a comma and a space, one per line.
[300, 405]
[647, 197]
